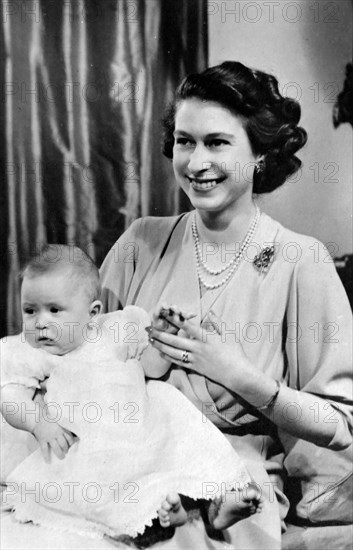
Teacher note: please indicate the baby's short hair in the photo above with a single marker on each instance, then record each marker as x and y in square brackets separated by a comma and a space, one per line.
[55, 257]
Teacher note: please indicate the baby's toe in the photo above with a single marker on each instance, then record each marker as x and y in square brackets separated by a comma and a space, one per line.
[166, 506]
[163, 517]
[252, 492]
[165, 522]
[173, 499]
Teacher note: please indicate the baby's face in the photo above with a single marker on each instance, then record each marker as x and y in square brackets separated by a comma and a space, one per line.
[55, 312]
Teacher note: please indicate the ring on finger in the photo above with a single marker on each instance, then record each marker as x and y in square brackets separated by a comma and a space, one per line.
[185, 357]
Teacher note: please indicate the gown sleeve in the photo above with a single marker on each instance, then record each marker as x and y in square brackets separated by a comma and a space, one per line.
[135, 329]
[22, 364]
[127, 330]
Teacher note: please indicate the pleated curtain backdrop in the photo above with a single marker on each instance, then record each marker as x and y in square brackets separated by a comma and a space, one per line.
[85, 85]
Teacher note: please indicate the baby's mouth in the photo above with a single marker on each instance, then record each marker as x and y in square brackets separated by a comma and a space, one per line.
[44, 339]
[203, 184]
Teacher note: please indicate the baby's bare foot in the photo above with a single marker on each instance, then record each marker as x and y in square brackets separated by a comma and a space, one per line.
[234, 506]
[171, 512]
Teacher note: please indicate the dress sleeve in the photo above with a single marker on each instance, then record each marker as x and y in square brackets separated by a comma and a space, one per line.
[127, 330]
[135, 329]
[319, 354]
[319, 338]
[20, 363]
[117, 270]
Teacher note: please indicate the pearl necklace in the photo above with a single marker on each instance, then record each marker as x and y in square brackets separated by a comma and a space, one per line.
[234, 262]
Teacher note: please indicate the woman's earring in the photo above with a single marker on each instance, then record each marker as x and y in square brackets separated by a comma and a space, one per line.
[260, 166]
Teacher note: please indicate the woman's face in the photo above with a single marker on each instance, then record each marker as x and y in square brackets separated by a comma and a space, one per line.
[212, 156]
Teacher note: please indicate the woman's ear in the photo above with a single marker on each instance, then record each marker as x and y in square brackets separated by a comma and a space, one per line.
[95, 308]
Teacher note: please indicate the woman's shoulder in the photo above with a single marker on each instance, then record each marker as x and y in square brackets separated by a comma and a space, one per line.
[285, 234]
[301, 259]
[295, 247]
[156, 225]
[143, 238]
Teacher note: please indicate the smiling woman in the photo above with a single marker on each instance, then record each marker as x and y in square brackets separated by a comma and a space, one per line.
[249, 358]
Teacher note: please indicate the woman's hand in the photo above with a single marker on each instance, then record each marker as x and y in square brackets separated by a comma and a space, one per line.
[203, 350]
[170, 318]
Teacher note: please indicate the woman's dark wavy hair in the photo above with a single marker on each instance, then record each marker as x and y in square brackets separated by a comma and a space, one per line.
[270, 120]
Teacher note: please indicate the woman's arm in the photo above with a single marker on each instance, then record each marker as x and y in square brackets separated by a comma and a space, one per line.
[153, 364]
[228, 366]
[296, 412]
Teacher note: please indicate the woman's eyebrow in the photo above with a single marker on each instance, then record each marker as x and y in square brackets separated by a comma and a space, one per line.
[213, 135]
[218, 134]
[180, 133]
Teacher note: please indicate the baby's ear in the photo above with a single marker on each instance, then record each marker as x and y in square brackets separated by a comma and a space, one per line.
[95, 308]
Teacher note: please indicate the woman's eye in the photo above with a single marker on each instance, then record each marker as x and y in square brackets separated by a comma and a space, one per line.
[217, 143]
[185, 142]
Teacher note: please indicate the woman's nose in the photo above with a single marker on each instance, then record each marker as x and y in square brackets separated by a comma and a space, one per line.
[199, 160]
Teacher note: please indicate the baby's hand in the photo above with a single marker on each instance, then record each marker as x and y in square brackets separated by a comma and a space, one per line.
[52, 437]
[170, 318]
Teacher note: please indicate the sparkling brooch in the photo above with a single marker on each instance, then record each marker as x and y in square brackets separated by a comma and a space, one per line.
[263, 260]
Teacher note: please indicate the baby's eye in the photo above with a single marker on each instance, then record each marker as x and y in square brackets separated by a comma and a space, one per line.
[28, 310]
[54, 309]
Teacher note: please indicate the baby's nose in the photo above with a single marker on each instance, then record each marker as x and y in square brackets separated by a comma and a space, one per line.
[42, 321]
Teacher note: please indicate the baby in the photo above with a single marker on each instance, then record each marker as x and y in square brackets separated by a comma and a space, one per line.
[105, 435]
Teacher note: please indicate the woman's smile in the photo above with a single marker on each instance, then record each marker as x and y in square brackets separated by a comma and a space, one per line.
[204, 184]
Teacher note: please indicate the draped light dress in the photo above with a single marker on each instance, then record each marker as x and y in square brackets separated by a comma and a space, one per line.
[293, 320]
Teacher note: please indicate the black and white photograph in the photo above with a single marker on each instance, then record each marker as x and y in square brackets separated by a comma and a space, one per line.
[176, 274]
